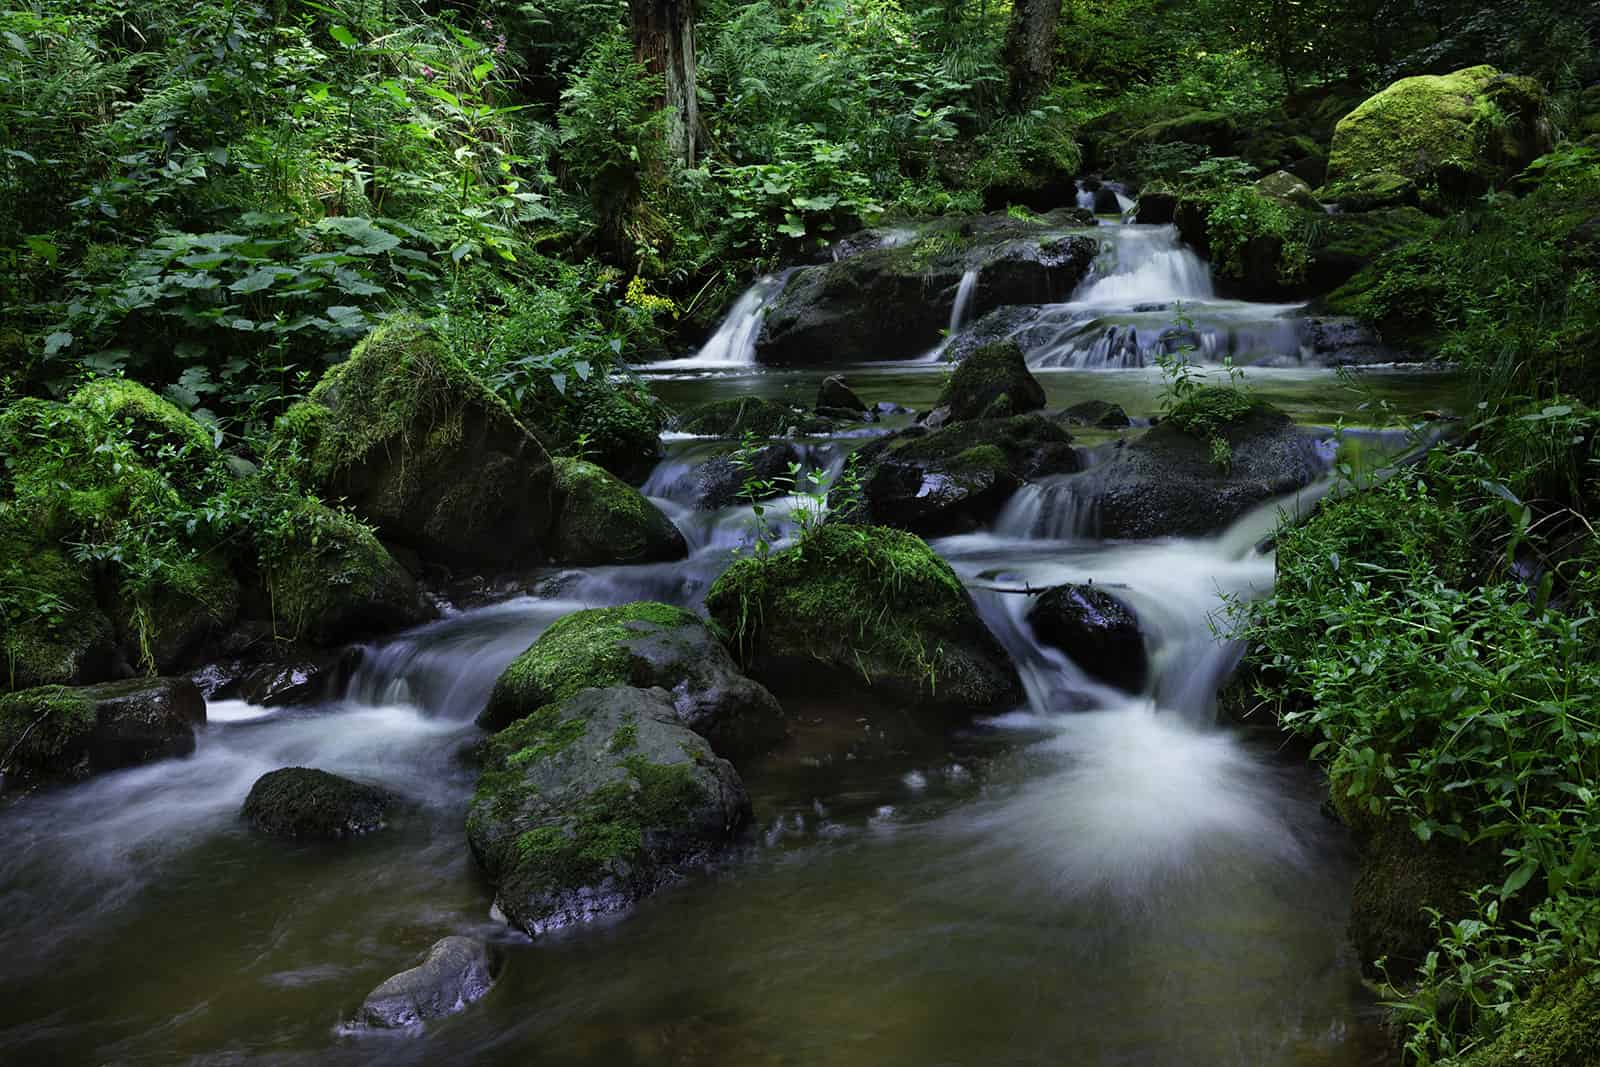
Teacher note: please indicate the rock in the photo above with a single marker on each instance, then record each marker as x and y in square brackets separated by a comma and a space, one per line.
[1341, 340]
[1211, 129]
[1106, 202]
[1201, 468]
[151, 423]
[55, 732]
[299, 802]
[1156, 207]
[1281, 185]
[601, 519]
[1460, 133]
[1373, 192]
[894, 302]
[992, 382]
[835, 395]
[1345, 243]
[74, 644]
[423, 450]
[275, 685]
[723, 482]
[172, 625]
[956, 478]
[587, 806]
[334, 582]
[740, 415]
[455, 972]
[1101, 414]
[867, 606]
[645, 645]
[1096, 630]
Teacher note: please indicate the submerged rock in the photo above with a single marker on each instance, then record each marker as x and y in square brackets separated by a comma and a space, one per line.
[869, 607]
[835, 395]
[601, 519]
[55, 732]
[957, 478]
[423, 450]
[453, 973]
[992, 382]
[645, 645]
[740, 415]
[299, 802]
[1096, 630]
[1200, 469]
[591, 804]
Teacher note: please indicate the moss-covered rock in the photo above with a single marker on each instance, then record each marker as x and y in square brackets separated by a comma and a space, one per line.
[1558, 1025]
[1102, 414]
[589, 805]
[59, 635]
[645, 645]
[423, 450]
[300, 802]
[333, 581]
[1215, 457]
[739, 415]
[834, 395]
[168, 626]
[1343, 244]
[870, 607]
[1374, 191]
[601, 519]
[55, 733]
[992, 382]
[1458, 133]
[155, 425]
[1289, 188]
[1212, 129]
[957, 478]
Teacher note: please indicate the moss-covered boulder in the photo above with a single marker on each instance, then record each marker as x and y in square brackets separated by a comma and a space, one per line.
[1343, 244]
[453, 973]
[1215, 130]
[1217, 455]
[1555, 1025]
[868, 607]
[1289, 188]
[158, 429]
[894, 302]
[736, 416]
[646, 645]
[955, 479]
[1101, 414]
[423, 450]
[308, 804]
[593, 803]
[835, 397]
[61, 636]
[992, 382]
[1457, 133]
[331, 581]
[56, 733]
[602, 519]
[1096, 630]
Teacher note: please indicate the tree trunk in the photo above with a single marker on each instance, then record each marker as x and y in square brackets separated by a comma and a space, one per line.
[1030, 52]
[663, 40]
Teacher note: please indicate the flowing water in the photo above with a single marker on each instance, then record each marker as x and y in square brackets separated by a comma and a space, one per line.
[1096, 878]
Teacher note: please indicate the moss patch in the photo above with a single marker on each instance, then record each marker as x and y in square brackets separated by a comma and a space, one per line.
[38, 725]
[739, 415]
[1557, 1026]
[601, 519]
[158, 429]
[992, 382]
[332, 580]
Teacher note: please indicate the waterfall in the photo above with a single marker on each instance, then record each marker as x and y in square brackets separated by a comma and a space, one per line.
[962, 308]
[734, 343]
[1146, 264]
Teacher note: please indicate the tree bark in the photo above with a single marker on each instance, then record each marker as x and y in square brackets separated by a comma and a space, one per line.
[663, 40]
[1030, 51]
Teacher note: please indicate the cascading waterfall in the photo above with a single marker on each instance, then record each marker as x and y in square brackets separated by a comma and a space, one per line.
[1144, 265]
[961, 309]
[734, 343]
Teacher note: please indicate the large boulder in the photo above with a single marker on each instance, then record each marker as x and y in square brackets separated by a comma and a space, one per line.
[602, 519]
[423, 450]
[955, 479]
[58, 733]
[646, 645]
[1096, 630]
[332, 581]
[1343, 244]
[992, 382]
[589, 805]
[1214, 130]
[451, 975]
[870, 607]
[1216, 456]
[304, 803]
[1459, 133]
[895, 302]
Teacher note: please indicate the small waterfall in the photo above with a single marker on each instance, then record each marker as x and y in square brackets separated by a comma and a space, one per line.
[961, 310]
[1050, 510]
[734, 343]
[1146, 264]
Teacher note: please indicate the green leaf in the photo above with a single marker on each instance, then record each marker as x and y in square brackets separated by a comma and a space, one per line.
[1519, 878]
[45, 250]
[348, 318]
[255, 281]
[56, 342]
[370, 239]
[343, 36]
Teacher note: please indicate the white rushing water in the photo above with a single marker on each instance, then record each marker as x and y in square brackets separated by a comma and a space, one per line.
[1145, 265]
[734, 343]
[961, 310]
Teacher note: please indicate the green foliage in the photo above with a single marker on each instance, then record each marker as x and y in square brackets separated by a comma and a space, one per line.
[1242, 215]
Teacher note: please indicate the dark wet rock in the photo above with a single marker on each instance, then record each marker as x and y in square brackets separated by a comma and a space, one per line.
[992, 382]
[893, 303]
[55, 732]
[1342, 340]
[759, 475]
[1212, 129]
[600, 519]
[740, 415]
[1106, 202]
[1096, 630]
[1101, 414]
[454, 973]
[645, 645]
[276, 685]
[300, 802]
[1172, 481]
[1156, 207]
[1343, 244]
[589, 805]
[835, 394]
[423, 450]
[871, 607]
[956, 478]
[1001, 325]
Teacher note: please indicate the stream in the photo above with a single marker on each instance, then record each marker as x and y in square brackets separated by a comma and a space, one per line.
[1097, 878]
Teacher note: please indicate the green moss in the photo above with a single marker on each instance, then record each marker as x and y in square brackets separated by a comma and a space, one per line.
[49, 621]
[584, 650]
[37, 725]
[332, 574]
[992, 382]
[1557, 1026]
[987, 456]
[1211, 409]
[1372, 190]
[160, 432]
[740, 415]
[1367, 235]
